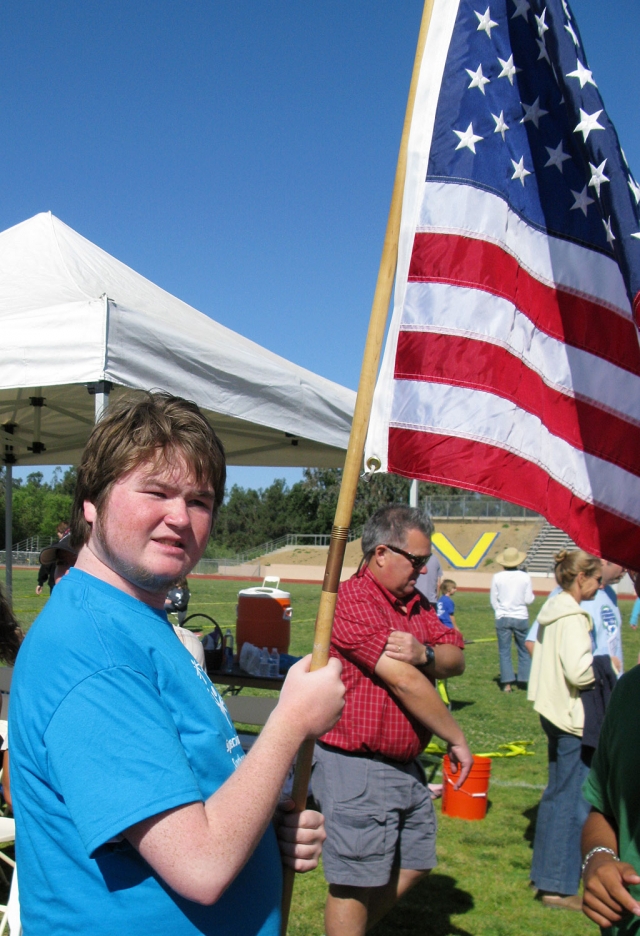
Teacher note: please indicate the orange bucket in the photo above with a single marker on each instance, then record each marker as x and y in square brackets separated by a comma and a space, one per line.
[470, 801]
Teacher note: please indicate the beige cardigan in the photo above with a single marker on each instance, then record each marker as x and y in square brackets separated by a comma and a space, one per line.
[562, 663]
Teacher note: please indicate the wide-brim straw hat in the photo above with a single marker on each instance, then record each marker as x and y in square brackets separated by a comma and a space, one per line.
[511, 557]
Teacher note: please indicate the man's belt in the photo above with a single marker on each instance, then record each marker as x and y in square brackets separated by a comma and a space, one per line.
[367, 755]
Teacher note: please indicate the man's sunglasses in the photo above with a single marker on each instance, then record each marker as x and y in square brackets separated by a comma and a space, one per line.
[416, 561]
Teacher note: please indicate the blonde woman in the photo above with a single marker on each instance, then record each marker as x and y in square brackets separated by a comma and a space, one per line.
[561, 667]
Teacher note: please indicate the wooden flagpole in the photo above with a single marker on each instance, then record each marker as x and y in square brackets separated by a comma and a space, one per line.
[353, 459]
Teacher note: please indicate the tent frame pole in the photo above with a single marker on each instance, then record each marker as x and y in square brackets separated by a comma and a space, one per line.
[355, 451]
[8, 530]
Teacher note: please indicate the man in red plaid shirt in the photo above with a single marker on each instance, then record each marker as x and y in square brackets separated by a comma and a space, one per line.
[379, 817]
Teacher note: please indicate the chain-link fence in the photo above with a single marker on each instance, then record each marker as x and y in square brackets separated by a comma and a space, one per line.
[469, 507]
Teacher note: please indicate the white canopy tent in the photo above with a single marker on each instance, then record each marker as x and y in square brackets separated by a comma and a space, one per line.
[77, 324]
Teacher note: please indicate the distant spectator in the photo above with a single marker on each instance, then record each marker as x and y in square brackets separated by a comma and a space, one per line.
[47, 569]
[445, 609]
[635, 613]
[177, 600]
[60, 558]
[606, 636]
[428, 583]
[511, 592]
[562, 666]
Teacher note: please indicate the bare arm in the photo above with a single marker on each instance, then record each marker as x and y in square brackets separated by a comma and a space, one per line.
[419, 697]
[198, 849]
[405, 648]
[606, 897]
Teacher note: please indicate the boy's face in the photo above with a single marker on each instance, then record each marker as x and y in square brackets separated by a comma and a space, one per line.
[153, 528]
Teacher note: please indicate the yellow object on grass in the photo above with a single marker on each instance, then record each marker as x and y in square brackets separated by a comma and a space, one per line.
[510, 749]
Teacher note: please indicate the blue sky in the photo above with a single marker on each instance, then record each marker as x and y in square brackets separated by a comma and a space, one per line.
[239, 154]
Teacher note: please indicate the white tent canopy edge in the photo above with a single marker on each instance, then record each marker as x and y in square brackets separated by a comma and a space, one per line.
[76, 321]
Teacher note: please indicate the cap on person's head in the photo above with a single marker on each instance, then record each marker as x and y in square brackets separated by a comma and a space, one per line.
[50, 553]
[511, 557]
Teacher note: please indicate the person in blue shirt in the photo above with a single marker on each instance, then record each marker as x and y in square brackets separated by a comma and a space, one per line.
[136, 810]
[445, 608]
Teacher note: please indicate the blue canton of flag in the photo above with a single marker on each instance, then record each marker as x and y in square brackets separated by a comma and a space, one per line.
[520, 114]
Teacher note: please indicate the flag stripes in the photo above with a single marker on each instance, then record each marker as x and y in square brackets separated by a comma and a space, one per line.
[446, 460]
[480, 365]
[442, 309]
[576, 320]
[452, 208]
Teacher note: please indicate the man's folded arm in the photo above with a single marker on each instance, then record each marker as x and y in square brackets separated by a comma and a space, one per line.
[419, 697]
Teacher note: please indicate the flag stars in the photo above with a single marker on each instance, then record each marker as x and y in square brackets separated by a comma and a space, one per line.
[608, 232]
[519, 171]
[485, 23]
[508, 69]
[501, 126]
[588, 122]
[467, 138]
[543, 54]
[635, 188]
[540, 23]
[556, 156]
[598, 176]
[572, 33]
[533, 112]
[477, 78]
[567, 12]
[522, 8]
[583, 75]
[582, 201]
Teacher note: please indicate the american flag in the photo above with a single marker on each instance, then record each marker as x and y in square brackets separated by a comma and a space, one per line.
[512, 364]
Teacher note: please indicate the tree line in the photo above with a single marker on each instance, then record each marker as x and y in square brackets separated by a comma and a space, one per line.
[247, 518]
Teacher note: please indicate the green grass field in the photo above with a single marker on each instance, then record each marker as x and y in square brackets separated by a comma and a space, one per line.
[480, 887]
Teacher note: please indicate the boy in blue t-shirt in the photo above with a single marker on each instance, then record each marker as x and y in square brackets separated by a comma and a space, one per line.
[445, 608]
[178, 838]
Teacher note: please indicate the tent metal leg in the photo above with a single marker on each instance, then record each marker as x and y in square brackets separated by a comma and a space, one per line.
[8, 533]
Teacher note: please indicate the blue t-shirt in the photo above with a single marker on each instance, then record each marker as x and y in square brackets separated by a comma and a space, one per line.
[113, 721]
[607, 623]
[444, 609]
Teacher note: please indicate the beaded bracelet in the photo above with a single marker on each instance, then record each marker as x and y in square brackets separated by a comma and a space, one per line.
[594, 851]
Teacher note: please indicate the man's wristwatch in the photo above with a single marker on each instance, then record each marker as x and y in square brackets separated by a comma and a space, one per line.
[430, 654]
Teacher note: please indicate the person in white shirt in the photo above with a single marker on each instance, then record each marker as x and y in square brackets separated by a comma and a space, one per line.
[511, 592]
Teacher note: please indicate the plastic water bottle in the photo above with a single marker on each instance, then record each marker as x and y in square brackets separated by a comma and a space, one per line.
[228, 651]
[274, 663]
[264, 662]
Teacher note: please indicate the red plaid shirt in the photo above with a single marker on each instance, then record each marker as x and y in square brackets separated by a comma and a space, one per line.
[372, 720]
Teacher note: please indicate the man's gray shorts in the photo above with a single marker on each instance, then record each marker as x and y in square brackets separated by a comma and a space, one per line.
[378, 816]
